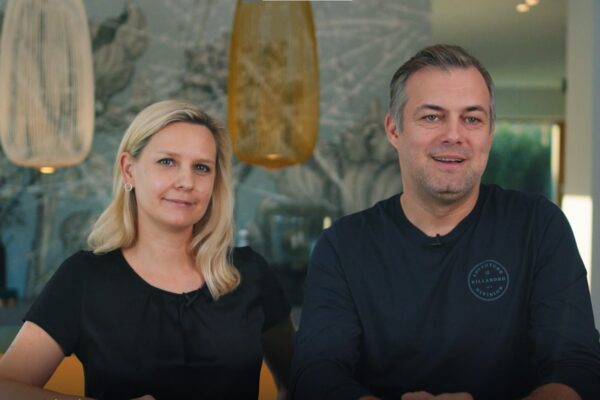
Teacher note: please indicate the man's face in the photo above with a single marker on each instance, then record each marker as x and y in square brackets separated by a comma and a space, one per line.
[445, 140]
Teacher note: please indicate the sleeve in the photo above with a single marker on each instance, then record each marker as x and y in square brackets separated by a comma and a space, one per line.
[57, 310]
[274, 302]
[565, 342]
[326, 348]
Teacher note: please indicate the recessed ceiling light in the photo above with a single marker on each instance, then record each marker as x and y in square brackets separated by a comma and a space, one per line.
[532, 3]
[522, 8]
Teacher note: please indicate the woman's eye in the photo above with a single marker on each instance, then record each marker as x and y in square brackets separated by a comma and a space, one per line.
[166, 161]
[202, 168]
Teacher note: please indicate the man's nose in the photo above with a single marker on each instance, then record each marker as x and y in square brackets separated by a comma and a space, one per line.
[453, 131]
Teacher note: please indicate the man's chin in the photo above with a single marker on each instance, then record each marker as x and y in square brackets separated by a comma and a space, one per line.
[451, 194]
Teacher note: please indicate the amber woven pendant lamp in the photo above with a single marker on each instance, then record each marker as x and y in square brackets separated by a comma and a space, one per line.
[46, 83]
[273, 93]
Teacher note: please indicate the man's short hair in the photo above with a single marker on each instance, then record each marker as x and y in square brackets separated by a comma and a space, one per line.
[441, 56]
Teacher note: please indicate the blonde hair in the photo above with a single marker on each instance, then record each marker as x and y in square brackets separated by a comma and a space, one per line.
[213, 235]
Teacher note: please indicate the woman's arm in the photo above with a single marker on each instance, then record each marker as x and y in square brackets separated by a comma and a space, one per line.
[28, 363]
[278, 343]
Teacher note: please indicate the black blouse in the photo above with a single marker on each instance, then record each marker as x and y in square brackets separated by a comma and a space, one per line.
[134, 339]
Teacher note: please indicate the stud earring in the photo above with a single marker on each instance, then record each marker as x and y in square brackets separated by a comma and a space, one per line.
[128, 187]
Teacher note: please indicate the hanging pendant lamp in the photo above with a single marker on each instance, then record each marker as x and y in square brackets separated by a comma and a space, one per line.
[46, 83]
[273, 93]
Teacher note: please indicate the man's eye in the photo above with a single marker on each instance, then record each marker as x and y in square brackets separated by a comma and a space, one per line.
[431, 118]
[166, 161]
[472, 120]
[202, 168]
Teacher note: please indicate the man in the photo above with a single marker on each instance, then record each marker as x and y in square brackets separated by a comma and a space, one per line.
[452, 289]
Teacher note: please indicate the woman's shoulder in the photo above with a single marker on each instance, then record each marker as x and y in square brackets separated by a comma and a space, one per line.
[87, 257]
[258, 277]
[246, 255]
[85, 261]
[248, 261]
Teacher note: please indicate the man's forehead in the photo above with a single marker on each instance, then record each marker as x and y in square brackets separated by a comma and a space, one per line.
[426, 107]
[432, 85]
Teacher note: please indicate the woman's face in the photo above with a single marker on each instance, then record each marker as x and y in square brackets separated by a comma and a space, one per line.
[173, 177]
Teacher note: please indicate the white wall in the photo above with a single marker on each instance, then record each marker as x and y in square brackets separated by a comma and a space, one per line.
[582, 144]
[537, 103]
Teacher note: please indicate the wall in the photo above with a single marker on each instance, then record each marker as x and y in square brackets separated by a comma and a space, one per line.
[582, 168]
[164, 49]
[529, 102]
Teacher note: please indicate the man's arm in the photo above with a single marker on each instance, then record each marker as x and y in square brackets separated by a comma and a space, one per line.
[566, 350]
[327, 344]
[553, 391]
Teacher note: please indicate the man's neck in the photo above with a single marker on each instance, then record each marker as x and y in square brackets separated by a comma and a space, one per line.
[435, 216]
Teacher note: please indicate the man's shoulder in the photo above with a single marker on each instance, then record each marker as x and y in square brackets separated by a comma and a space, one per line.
[380, 210]
[499, 197]
[367, 221]
[509, 205]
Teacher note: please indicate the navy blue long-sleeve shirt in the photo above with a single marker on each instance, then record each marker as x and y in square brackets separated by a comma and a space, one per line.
[496, 308]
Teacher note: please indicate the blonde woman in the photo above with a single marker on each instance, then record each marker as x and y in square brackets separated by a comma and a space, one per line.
[163, 307]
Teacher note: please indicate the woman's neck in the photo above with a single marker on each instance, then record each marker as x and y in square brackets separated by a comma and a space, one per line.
[165, 260]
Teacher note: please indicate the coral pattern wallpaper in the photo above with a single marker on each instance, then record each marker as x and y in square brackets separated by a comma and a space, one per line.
[150, 50]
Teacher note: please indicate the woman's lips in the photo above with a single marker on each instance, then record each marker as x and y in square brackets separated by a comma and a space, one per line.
[180, 202]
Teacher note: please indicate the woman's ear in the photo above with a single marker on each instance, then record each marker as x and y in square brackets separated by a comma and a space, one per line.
[126, 162]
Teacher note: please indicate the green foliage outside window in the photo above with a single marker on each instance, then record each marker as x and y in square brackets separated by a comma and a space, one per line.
[521, 158]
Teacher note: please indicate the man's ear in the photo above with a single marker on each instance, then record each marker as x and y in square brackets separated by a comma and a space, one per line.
[391, 130]
[126, 165]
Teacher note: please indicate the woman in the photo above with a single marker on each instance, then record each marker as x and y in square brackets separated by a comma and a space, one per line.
[163, 307]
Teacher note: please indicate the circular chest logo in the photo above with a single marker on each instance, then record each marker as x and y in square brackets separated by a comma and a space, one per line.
[488, 280]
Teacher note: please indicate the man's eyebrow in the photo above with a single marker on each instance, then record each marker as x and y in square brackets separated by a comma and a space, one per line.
[476, 108]
[433, 107]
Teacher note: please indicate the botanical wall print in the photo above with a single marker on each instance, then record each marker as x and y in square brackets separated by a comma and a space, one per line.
[157, 49]
[37, 203]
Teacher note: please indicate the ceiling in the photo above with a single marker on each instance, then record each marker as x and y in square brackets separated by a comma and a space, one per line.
[519, 50]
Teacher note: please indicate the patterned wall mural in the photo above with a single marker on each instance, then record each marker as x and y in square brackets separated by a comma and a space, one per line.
[151, 50]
